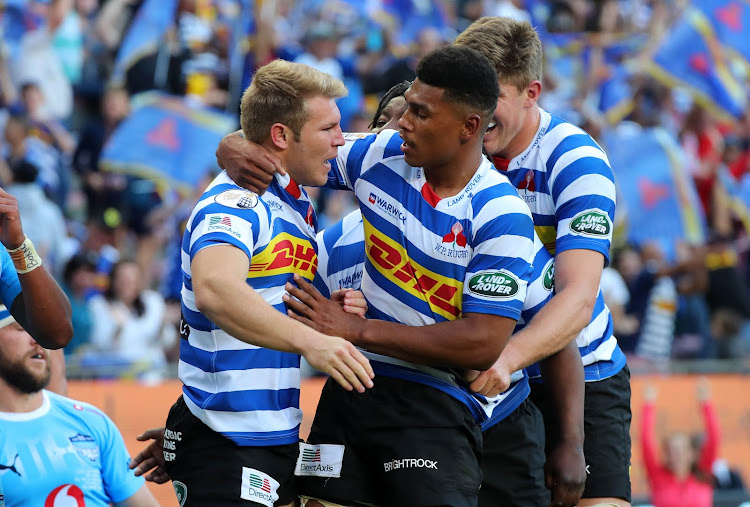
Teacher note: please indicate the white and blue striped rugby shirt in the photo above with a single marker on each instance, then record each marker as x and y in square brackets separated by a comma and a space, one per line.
[428, 259]
[341, 263]
[565, 178]
[247, 393]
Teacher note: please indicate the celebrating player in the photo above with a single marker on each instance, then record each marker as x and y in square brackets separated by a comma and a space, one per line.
[565, 178]
[233, 435]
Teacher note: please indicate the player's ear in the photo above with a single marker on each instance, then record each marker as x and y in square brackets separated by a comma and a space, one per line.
[532, 93]
[472, 125]
[281, 135]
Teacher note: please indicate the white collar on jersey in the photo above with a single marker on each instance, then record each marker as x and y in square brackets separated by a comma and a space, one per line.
[28, 416]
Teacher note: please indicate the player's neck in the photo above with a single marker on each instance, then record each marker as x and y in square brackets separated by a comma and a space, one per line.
[448, 179]
[11, 400]
[525, 136]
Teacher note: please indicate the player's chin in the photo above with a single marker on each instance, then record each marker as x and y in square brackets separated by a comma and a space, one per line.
[412, 158]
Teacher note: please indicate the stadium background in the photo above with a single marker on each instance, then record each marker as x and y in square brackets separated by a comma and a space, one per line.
[110, 112]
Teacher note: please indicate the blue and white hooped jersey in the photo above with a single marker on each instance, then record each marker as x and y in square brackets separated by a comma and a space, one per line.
[565, 178]
[66, 452]
[247, 393]
[341, 261]
[430, 260]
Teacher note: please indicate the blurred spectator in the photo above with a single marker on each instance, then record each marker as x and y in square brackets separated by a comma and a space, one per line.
[683, 478]
[693, 323]
[103, 190]
[321, 44]
[78, 279]
[726, 478]
[405, 68]
[653, 302]
[616, 296]
[726, 285]
[704, 146]
[128, 320]
[42, 218]
[38, 62]
[726, 329]
[506, 8]
[658, 317]
[20, 146]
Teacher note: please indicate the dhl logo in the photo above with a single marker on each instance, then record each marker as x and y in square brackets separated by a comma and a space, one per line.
[285, 254]
[444, 295]
[548, 235]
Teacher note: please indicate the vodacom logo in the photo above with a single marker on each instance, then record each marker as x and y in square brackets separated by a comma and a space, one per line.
[67, 495]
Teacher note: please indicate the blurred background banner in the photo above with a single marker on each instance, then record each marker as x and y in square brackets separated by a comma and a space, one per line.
[657, 194]
[151, 22]
[168, 140]
[692, 56]
[730, 20]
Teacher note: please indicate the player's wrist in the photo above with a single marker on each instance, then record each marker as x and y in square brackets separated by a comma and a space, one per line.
[25, 258]
[572, 435]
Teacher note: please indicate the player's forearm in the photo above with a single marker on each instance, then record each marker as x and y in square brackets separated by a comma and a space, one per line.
[43, 309]
[458, 344]
[555, 326]
[242, 313]
[564, 382]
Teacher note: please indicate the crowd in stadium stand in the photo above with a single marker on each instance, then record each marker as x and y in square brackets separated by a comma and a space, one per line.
[71, 77]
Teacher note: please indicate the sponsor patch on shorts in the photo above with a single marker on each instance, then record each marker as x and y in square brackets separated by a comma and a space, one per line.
[181, 491]
[259, 487]
[323, 460]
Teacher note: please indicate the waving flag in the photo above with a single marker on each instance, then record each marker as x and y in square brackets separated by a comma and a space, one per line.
[616, 94]
[167, 140]
[146, 30]
[730, 20]
[657, 194]
[691, 56]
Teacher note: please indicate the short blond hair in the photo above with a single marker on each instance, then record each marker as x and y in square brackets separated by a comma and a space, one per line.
[277, 94]
[512, 46]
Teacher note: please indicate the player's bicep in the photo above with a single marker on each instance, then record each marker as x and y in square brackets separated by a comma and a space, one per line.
[219, 263]
[584, 197]
[582, 268]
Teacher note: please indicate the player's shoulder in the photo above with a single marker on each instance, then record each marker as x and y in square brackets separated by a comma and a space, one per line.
[341, 232]
[76, 409]
[559, 129]
[386, 143]
[495, 191]
[224, 198]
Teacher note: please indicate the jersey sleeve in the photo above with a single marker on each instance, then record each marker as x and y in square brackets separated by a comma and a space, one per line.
[582, 186]
[360, 153]
[321, 281]
[541, 284]
[10, 286]
[120, 483]
[216, 224]
[503, 241]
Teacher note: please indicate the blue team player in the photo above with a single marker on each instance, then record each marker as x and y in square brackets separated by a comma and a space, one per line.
[54, 450]
[232, 437]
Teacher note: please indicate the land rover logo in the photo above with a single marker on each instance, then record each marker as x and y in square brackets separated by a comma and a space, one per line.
[181, 491]
[548, 281]
[494, 284]
[591, 223]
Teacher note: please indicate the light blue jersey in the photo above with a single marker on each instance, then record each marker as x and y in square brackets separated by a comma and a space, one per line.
[247, 393]
[64, 453]
[10, 286]
[566, 180]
